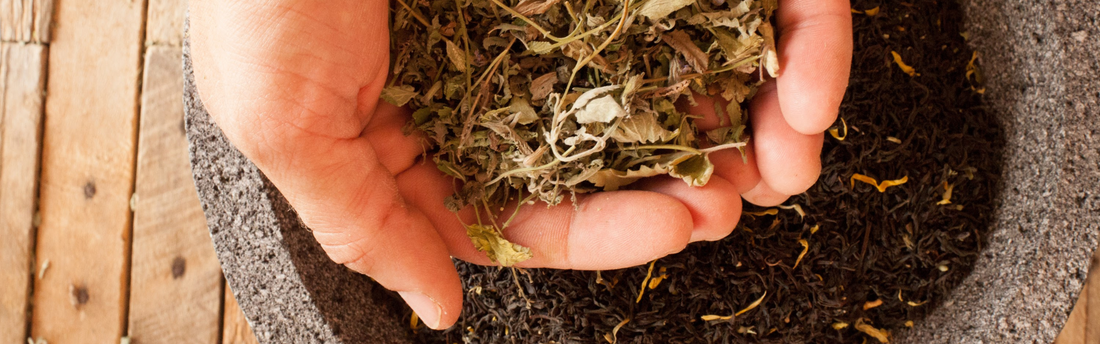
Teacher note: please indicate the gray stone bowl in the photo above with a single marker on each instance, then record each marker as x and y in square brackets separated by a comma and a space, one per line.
[1041, 64]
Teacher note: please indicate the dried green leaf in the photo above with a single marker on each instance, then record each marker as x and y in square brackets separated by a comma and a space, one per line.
[457, 56]
[660, 9]
[540, 47]
[683, 44]
[600, 110]
[643, 128]
[533, 7]
[398, 95]
[611, 180]
[694, 169]
[487, 239]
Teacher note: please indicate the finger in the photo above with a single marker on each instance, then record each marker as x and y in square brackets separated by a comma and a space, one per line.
[715, 208]
[350, 202]
[387, 132]
[729, 164]
[601, 231]
[815, 57]
[789, 161]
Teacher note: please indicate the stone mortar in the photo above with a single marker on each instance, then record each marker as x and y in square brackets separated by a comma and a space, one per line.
[1043, 81]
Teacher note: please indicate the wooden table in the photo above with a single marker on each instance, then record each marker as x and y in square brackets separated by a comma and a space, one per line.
[102, 233]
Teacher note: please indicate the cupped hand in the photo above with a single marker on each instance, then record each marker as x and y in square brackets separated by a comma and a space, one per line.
[294, 84]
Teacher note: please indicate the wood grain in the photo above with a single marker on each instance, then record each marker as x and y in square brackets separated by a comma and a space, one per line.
[1074, 330]
[1091, 298]
[26, 21]
[236, 326]
[22, 82]
[164, 25]
[87, 171]
[175, 284]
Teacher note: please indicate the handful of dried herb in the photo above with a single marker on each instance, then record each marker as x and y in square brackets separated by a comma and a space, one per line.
[537, 99]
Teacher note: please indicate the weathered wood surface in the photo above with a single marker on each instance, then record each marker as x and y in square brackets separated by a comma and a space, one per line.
[175, 284]
[236, 326]
[22, 82]
[88, 172]
[164, 25]
[25, 21]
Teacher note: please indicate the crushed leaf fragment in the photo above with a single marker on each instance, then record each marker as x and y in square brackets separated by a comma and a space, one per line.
[881, 187]
[909, 323]
[882, 336]
[835, 131]
[893, 139]
[840, 325]
[487, 239]
[946, 193]
[805, 248]
[904, 67]
[872, 304]
[814, 229]
[752, 305]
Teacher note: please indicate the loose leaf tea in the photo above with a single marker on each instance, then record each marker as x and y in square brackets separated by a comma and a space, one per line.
[527, 100]
[821, 267]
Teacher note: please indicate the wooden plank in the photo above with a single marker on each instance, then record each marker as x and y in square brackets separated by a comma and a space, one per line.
[1092, 299]
[87, 171]
[22, 81]
[1074, 330]
[164, 24]
[175, 283]
[26, 21]
[237, 330]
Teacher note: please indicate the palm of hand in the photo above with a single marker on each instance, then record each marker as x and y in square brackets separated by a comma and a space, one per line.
[299, 94]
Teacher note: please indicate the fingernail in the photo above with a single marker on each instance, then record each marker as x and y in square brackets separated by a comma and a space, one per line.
[427, 309]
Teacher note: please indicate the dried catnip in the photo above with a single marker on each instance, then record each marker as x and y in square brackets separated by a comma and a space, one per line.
[528, 100]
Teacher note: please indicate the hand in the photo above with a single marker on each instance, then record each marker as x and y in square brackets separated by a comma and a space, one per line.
[294, 85]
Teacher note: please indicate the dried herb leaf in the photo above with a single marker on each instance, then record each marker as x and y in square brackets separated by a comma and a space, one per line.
[398, 95]
[487, 239]
[541, 99]
[659, 9]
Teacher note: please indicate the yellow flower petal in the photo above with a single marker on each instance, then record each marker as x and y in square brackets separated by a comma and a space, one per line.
[771, 211]
[805, 248]
[904, 67]
[880, 186]
[946, 193]
[835, 131]
[872, 304]
[882, 336]
[751, 305]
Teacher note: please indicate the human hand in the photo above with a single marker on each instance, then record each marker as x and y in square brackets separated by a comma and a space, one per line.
[294, 85]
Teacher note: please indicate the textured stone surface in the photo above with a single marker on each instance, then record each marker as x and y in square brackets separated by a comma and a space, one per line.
[285, 284]
[1041, 66]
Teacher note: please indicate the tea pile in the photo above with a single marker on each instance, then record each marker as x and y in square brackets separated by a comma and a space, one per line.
[529, 100]
[850, 264]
